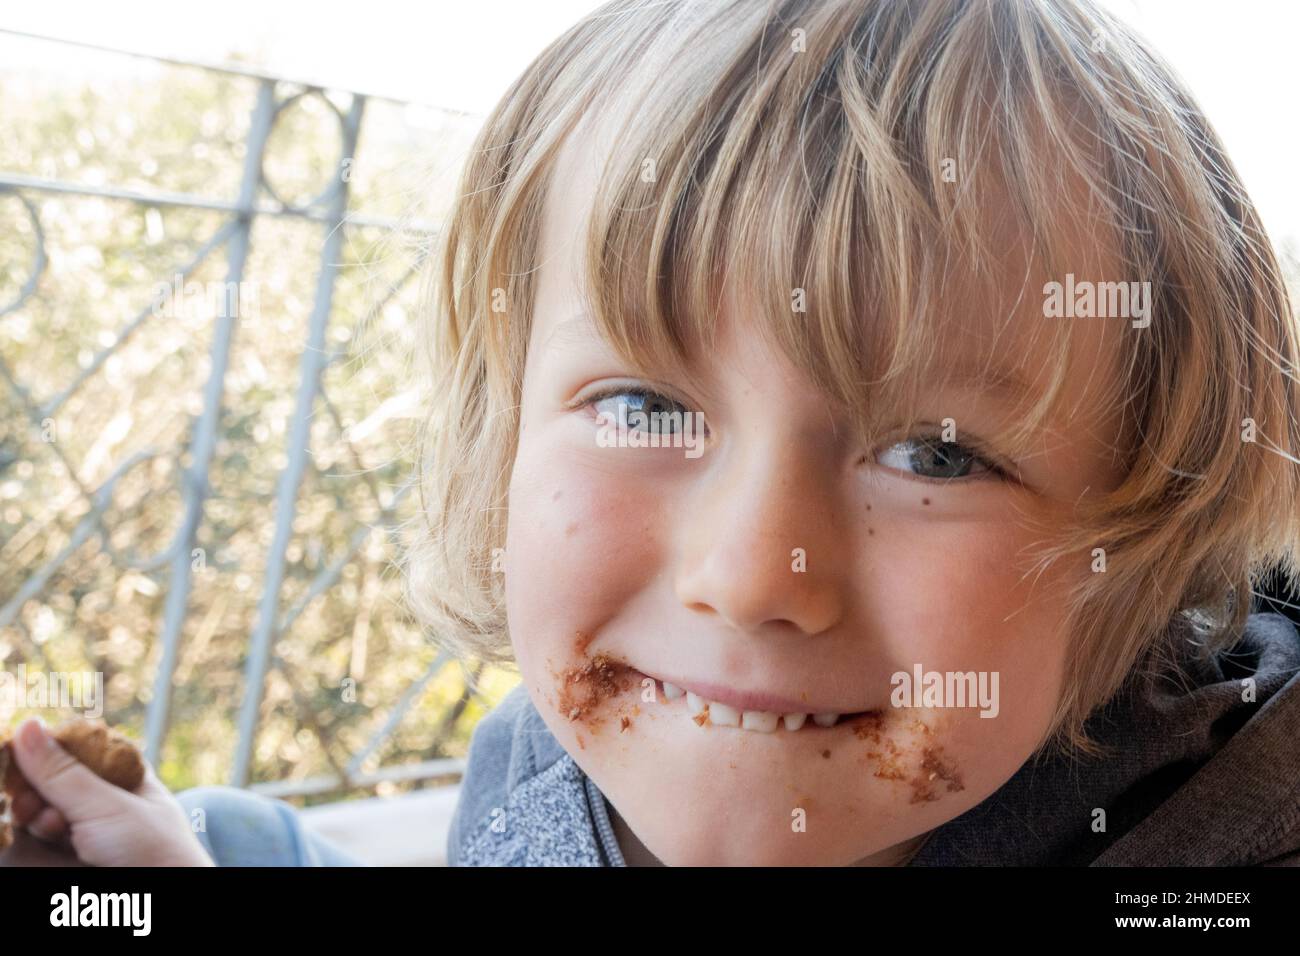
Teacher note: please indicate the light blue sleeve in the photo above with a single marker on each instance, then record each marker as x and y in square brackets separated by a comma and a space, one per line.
[241, 828]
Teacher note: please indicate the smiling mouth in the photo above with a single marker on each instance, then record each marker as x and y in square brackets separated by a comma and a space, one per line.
[707, 712]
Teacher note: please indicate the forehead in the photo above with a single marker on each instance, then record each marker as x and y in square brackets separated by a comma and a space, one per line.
[999, 320]
[570, 194]
[989, 319]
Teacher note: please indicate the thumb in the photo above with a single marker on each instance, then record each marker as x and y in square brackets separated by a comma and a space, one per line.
[62, 780]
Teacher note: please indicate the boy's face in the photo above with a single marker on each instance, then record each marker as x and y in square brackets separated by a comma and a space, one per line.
[627, 567]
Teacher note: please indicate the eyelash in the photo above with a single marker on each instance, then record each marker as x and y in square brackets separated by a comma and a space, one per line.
[994, 470]
[638, 390]
[614, 390]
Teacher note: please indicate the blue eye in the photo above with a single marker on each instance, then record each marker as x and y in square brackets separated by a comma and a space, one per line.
[642, 409]
[935, 459]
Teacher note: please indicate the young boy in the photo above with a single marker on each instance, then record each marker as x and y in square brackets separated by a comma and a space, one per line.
[992, 375]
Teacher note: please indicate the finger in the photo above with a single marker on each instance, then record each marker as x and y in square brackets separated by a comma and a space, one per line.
[60, 778]
[150, 781]
[152, 787]
[49, 825]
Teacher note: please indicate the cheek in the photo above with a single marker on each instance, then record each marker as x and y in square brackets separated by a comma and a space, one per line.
[582, 540]
[965, 599]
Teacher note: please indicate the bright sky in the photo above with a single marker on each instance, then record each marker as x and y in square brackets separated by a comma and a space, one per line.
[1239, 58]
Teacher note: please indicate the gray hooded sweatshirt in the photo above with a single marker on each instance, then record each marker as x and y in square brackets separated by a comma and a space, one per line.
[1194, 776]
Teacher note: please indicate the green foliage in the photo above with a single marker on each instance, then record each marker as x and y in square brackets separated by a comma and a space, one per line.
[155, 128]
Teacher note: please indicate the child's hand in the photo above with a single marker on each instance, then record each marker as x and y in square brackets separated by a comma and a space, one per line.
[66, 803]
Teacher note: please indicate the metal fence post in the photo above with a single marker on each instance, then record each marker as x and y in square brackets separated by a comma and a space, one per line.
[195, 482]
[299, 441]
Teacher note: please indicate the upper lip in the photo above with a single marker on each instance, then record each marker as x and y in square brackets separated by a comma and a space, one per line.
[749, 699]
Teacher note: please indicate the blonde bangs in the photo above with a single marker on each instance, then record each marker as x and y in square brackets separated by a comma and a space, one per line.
[846, 191]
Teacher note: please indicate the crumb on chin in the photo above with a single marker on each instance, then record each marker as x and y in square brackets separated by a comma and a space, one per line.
[932, 766]
[935, 769]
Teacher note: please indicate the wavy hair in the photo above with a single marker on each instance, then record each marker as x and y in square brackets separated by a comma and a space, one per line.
[806, 144]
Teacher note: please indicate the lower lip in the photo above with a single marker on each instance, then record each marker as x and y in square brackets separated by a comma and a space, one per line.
[808, 724]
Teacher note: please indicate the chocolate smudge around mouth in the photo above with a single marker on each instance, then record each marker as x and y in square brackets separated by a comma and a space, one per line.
[933, 764]
[587, 686]
[581, 641]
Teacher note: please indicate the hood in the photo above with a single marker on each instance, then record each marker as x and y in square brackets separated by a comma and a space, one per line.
[1194, 775]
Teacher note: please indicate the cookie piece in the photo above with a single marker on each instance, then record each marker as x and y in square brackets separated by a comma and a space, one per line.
[105, 751]
[108, 753]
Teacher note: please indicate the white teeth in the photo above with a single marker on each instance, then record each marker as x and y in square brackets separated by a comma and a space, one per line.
[723, 716]
[760, 720]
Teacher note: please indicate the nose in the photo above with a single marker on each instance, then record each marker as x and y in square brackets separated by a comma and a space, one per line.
[764, 553]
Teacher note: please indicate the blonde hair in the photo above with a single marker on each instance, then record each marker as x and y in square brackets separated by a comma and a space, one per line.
[803, 144]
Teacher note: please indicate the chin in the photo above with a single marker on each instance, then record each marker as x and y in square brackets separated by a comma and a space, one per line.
[740, 842]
